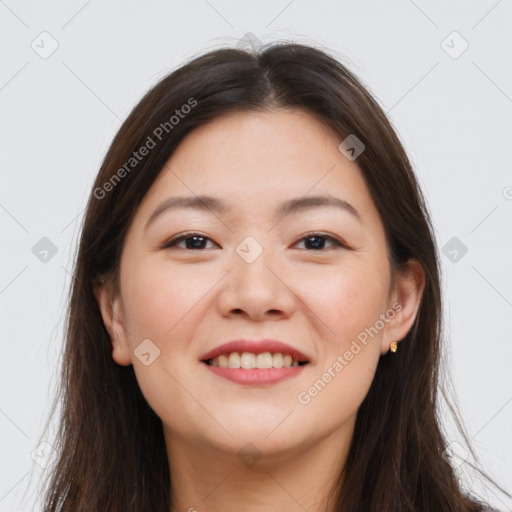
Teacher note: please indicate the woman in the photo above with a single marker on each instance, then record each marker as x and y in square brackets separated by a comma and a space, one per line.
[255, 319]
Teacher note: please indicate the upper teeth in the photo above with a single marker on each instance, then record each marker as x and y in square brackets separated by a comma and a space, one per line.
[247, 360]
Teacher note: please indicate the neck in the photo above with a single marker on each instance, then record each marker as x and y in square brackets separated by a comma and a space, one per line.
[206, 478]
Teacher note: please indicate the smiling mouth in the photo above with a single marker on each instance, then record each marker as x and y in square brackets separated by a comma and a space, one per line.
[249, 361]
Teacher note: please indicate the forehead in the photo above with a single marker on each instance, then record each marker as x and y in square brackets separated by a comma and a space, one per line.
[255, 160]
[259, 146]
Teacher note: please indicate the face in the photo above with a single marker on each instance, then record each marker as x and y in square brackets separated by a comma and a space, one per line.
[316, 278]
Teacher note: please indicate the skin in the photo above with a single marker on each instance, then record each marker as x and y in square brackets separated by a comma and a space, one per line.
[189, 301]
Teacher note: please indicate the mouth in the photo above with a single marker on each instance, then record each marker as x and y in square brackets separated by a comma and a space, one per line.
[255, 363]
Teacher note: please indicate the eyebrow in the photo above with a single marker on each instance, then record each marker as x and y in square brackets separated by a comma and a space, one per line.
[290, 207]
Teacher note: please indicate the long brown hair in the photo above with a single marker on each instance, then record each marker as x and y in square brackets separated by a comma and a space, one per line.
[110, 444]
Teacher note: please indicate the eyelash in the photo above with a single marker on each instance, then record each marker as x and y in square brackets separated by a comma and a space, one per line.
[180, 238]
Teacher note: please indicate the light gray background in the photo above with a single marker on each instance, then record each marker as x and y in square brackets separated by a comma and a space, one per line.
[58, 115]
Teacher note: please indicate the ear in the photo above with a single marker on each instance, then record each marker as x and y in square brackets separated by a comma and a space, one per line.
[406, 295]
[110, 305]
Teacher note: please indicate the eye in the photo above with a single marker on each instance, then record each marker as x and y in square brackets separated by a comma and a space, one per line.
[196, 241]
[317, 241]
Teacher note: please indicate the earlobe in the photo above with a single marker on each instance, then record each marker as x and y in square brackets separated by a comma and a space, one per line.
[408, 291]
[111, 312]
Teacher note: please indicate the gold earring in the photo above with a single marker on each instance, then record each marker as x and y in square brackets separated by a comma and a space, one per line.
[393, 346]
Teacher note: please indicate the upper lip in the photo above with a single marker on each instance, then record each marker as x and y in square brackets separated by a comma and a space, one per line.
[255, 347]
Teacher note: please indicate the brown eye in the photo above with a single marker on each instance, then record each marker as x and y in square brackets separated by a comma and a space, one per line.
[316, 241]
[193, 241]
[197, 241]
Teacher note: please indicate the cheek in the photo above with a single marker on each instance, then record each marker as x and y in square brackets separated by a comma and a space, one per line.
[163, 304]
[354, 299]
[349, 303]
[160, 300]
[347, 300]
[337, 391]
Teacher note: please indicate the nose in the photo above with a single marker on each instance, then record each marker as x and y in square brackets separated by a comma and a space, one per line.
[260, 290]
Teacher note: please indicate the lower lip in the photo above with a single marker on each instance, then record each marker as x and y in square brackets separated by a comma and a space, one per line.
[255, 376]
